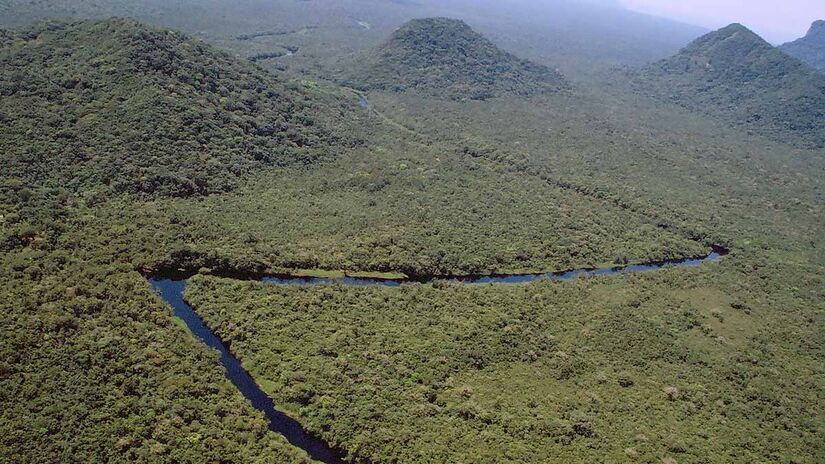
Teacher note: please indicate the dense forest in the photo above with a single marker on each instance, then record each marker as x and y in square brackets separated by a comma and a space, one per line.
[735, 75]
[143, 111]
[95, 369]
[811, 48]
[445, 57]
[131, 150]
[639, 367]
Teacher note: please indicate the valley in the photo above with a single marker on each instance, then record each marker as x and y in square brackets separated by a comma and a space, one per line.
[486, 239]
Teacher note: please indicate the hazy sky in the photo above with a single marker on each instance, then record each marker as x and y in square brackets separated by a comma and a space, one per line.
[775, 20]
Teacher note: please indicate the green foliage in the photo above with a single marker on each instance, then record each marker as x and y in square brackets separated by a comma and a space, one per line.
[95, 369]
[716, 364]
[811, 48]
[445, 214]
[445, 57]
[538, 373]
[735, 75]
[142, 111]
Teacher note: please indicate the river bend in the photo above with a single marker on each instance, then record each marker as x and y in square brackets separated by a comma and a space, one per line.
[171, 290]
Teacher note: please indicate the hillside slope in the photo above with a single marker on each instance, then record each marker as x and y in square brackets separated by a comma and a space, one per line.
[445, 58]
[736, 76]
[143, 111]
[811, 48]
[94, 368]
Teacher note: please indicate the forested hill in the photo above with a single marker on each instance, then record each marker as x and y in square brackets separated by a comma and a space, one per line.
[445, 58]
[113, 106]
[811, 48]
[735, 75]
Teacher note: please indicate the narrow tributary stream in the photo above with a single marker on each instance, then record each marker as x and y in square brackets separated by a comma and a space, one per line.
[171, 290]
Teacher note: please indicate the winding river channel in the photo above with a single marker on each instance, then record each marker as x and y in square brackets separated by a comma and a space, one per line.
[171, 290]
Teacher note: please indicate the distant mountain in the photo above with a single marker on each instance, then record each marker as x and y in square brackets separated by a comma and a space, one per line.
[811, 48]
[735, 75]
[445, 58]
[575, 34]
[121, 107]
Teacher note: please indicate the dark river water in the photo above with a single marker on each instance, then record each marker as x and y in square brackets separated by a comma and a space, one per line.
[171, 290]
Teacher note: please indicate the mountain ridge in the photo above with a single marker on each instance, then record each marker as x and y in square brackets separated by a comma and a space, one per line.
[445, 57]
[811, 48]
[735, 75]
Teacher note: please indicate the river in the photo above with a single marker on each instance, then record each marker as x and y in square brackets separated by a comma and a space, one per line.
[171, 290]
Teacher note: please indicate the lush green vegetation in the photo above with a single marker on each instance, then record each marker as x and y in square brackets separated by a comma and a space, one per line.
[94, 369]
[734, 74]
[402, 203]
[711, 367]
[396, 206]
[811, 48]
[446, 58]
[721, 363]
[699, 365]
[142, 111]
[395, 209]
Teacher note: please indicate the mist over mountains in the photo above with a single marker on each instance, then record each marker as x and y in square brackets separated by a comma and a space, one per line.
[572, 34]
[811, 48]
